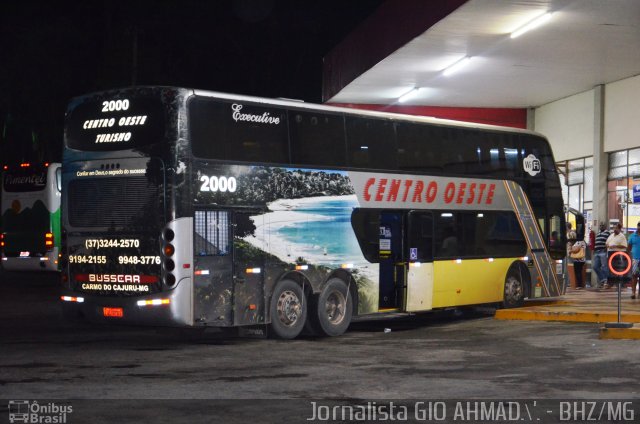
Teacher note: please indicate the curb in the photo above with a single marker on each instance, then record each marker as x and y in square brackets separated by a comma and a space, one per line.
[620, 333]
[570, 316]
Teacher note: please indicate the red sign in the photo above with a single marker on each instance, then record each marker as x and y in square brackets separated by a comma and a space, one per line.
[428, 192]
[625, 255]
[112, 312]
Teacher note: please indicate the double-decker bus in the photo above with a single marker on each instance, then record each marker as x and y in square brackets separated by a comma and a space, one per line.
[30, 234]
[192, 208]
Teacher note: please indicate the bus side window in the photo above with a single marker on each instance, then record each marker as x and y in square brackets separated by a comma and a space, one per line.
[501, 235]
[212, 233]
[420, 236]
[460, 152]
[370, 143]
[366, 226]
[420, 147]
[447, 234]
[555, 239]
[229, 131]
[317, 138]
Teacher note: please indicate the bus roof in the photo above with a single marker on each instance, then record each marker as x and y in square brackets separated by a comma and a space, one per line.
[314, 106]
[353, 111]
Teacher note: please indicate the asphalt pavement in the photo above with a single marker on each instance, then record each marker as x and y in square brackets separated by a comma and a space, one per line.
[136, 374]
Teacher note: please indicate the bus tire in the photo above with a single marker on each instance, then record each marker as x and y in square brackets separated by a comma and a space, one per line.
[333, 309]
[288, 310]
[513, 291]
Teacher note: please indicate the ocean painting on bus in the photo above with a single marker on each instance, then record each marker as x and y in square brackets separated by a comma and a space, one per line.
[306, 219]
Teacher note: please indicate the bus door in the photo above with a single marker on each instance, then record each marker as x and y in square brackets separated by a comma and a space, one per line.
[248, 269]
[392, 266]
[213, 272]
[420, 255]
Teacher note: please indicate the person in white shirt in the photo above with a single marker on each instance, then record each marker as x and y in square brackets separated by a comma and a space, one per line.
[617, 242]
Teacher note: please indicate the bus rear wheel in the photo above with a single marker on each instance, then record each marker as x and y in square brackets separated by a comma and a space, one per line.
[288, 310]
[332, 309]
[513, 291]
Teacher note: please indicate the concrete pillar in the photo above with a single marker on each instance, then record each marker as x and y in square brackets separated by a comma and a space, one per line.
[600, 158]
[531, 119]
[600, 165]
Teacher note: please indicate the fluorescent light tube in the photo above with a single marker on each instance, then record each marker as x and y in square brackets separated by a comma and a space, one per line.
[457, 66]
[408, 95]
[536, 22]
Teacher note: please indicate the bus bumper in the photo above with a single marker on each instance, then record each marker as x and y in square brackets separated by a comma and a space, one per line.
[169, 308]
[30, 263]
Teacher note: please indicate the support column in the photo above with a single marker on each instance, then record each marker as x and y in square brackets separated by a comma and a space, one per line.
[600, 158]
[600, 165]
[531, 119]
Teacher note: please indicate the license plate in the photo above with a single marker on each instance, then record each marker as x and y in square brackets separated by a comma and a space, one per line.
[112, 312]
[24, 254]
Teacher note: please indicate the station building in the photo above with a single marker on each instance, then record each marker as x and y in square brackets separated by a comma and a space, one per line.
[575, 78]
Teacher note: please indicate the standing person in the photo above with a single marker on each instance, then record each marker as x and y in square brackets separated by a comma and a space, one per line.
[616, 242]
[577, 251]
[634, 248]
[600, 265]
[569, 230]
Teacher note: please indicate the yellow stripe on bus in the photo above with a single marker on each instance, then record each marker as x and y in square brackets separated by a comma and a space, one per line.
[470, 282]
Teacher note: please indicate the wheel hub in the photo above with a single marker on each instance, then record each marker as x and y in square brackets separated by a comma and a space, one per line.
[335, 307]
[513, 289]
[289, 308]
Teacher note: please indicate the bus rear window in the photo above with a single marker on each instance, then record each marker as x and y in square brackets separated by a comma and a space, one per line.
[24, 180]
[123, 203]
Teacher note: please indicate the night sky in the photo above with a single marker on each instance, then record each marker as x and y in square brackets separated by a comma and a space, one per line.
[51, 51]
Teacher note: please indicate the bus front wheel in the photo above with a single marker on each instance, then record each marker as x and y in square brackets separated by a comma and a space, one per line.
[332, 309]
[288, 310]
[513, 291]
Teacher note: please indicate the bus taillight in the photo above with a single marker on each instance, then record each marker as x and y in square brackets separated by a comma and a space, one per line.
[48, 241]
[169, 264]
[2, 240]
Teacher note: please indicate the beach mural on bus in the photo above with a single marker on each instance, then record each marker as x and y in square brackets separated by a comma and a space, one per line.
[306, 219]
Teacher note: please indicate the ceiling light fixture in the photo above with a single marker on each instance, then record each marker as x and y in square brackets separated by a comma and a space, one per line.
[408, 95]
[534, 23]
[456, 66]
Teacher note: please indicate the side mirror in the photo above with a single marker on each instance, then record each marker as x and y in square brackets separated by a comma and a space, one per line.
[59, 179]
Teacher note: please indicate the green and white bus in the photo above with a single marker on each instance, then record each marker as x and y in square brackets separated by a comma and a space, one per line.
[30, 237]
